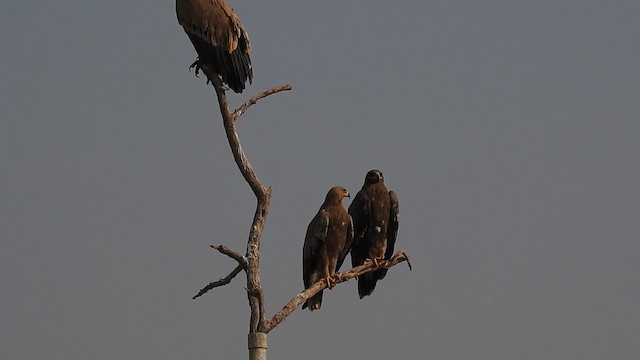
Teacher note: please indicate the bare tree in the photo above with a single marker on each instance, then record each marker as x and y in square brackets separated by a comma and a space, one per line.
[259, 323]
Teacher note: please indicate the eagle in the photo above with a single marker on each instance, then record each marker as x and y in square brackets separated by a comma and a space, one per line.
[326, 243]
[374, 211]
[219, 39]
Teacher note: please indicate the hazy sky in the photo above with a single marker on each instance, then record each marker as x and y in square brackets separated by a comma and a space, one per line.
[509, 130]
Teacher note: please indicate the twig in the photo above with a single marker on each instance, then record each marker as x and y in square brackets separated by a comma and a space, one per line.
[244, 107]
[223, 281]
[242, 261]
[408, 263]
[299, 299]
[242, 265]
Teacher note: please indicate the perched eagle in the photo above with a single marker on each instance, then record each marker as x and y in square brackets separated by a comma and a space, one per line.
[326, 244]
[374, 211]
[219, 38]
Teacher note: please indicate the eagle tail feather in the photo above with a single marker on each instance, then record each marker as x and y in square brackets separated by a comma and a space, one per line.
[314, 302]
[367, 283]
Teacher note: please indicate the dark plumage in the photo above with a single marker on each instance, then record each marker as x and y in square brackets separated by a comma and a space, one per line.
[326, 243]
[374, 211]
[219, 39]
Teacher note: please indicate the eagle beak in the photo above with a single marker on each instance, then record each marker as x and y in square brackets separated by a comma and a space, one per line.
[348, 195]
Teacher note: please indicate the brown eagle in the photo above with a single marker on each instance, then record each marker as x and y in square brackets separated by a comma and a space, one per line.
[219, 39]
[374, 211]
[326, 244]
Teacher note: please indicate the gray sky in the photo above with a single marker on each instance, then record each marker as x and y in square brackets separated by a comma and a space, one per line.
[509, 130]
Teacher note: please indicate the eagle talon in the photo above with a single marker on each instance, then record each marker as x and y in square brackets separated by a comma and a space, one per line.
[196, 65]
[335, 278]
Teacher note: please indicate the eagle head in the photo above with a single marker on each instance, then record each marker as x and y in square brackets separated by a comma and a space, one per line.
[374, 176]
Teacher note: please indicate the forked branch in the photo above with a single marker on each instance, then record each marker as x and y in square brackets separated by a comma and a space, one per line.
[242, 265]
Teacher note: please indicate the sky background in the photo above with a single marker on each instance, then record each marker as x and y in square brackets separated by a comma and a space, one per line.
[509, 130]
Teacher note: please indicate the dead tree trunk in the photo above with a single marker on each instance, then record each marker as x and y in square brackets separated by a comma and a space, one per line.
[259, 324]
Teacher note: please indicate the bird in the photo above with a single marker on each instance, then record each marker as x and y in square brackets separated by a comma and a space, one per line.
[375, 212]
[326, 244]
[219, 39]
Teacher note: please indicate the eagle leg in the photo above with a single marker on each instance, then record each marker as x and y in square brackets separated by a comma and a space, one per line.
[330, 282]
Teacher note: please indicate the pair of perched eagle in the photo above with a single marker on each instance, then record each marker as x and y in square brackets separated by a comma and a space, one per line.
[368, 230]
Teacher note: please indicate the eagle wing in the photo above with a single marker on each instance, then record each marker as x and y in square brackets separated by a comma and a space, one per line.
[347, 244]
[313, 242]
[213, 22]
[392, 229]
[360, 211]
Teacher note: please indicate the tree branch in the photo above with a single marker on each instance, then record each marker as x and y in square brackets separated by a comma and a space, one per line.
[242, 265]
[223, 281]
[263, 195]
[242, 261]
[299, 299]
[244, 107]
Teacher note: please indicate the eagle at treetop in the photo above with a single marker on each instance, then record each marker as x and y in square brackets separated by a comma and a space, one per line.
[219, 39]
[326, 243]
[374, 211]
